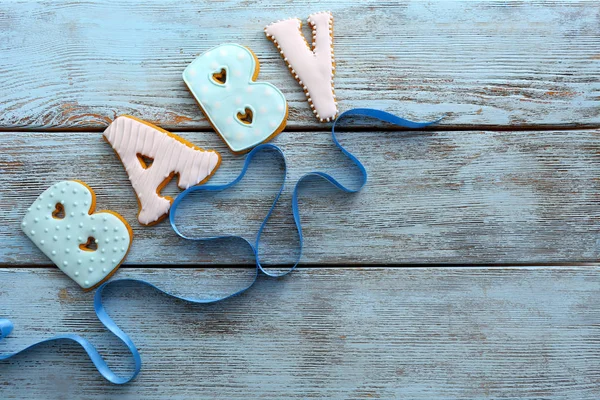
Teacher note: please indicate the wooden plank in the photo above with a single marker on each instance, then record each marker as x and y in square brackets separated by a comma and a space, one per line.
[434, 333]
[434, 197]
[76, 65]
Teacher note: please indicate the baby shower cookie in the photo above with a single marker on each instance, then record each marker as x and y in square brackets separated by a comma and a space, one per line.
[88, 246]
[313, 67]
[137, 142]
[244, 112]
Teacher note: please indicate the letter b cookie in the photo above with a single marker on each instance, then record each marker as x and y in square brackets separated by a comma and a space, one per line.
[244, 112]
[86, 245]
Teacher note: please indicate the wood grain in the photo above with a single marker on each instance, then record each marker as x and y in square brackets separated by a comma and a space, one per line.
[511, 175]
[77, 65]
[383, 333]
[432, 197]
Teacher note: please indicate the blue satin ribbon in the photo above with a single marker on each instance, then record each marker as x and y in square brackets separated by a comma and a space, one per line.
[6, 325]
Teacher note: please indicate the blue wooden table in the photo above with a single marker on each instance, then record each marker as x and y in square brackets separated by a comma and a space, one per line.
[467, 268]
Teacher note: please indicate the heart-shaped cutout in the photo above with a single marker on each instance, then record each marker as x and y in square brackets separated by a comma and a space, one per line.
[66, 240]
[246, 117]
[90, 245]
[220, 77]
[59, 211]
[223, 80]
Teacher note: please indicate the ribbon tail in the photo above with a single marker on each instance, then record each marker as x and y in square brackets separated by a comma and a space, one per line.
[6, 327]
[386, 117]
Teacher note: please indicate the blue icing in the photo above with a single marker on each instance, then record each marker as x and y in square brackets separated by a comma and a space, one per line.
[60, 238]
[222, 102]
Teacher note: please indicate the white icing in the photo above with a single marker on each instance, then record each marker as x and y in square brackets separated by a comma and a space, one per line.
[130, 137]
[60, 239]
[314, 69]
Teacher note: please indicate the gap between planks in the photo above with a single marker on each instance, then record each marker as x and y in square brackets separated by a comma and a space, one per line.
[347, 128]
[358, 266]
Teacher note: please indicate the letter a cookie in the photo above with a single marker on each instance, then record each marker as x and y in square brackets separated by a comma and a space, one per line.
[312, 67]
[135, 141]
